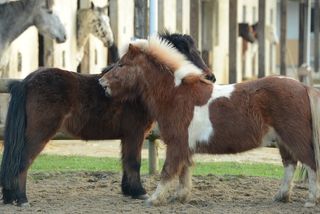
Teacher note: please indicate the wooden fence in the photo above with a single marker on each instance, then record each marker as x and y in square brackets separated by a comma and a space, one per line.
[152, 142]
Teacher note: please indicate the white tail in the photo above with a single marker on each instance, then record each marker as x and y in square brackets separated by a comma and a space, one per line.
[314, 98]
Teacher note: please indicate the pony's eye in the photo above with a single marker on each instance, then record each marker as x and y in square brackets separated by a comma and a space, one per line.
[120, 64]
[50, 11]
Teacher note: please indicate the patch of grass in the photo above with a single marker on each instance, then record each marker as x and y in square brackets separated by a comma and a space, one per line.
[56, 163]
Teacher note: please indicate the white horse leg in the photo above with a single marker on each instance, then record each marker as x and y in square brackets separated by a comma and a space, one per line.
[314, 194]
[185, 184]
[160, 195]
[284, 192]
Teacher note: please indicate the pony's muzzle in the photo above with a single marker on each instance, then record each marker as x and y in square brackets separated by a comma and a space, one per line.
[106, 86]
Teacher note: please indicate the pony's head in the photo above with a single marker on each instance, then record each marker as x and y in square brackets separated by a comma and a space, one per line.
[155, 59]
[186, 45]
[95, 20]
[47, 23]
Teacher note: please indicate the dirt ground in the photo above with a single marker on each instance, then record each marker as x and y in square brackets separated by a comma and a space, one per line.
[100, 192]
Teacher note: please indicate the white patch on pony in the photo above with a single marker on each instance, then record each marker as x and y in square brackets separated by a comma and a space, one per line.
[200, 128]
[185, 70]
[222, 91]
[165, 52]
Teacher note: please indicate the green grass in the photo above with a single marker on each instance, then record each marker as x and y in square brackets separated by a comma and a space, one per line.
[55, 163]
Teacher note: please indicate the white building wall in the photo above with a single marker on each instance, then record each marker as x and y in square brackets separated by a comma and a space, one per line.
[24, 55]
[221, 44]
[64, 55]
[183, 16]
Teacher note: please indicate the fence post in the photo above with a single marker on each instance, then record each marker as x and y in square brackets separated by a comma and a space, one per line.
[153, 156]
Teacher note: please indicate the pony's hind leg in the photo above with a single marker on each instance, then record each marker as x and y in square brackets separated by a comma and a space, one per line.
[38, 134]
[289, 163]
[314, 194]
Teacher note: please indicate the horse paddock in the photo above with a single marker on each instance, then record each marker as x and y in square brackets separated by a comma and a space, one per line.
[99, 192]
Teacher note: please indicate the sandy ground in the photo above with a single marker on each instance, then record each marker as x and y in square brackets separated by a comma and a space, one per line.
[100, 192]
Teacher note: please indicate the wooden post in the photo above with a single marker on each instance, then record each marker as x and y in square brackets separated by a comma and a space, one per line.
[195, 21]
[153, 30]
[233, 37]
[283, 37]
[85, 62]
[140, 18]
[316, 35]
[302, 22]
[261, 39]
[153, 157]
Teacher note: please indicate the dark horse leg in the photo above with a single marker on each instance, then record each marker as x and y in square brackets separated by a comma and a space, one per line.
[29, 127]
[131, 163]
[38, 134]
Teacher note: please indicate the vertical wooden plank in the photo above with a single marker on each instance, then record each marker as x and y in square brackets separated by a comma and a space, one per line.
[233, 37]
[84, 66]
[261, 39]
[194, 20]
[316, 35]
[283, 36]
[302, 20]
[140, 18]
[153, 29]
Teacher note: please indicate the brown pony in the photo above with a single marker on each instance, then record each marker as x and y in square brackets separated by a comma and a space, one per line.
[51, 99]
[196, 116]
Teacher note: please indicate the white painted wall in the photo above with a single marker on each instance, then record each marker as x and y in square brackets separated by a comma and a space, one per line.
[122, 23]
[28, 51]
[167, 15]
[183, 16]
[66, 10]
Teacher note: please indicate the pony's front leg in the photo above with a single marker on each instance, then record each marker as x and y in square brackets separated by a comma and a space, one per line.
[185, 184]
[131, 163]
[175, 161]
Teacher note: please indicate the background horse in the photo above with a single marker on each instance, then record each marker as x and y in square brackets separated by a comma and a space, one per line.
[49, 100]
[17, 16]
[95, 21]
[196, 116]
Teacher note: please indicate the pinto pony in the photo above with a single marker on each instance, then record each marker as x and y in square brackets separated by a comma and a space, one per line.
[196, 116]
[51, 99]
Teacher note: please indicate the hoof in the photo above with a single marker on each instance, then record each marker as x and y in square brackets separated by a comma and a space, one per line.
[309, 204]
[141, 197]
[284, 198]
[152, 202]
[148, 203]
[24, 205]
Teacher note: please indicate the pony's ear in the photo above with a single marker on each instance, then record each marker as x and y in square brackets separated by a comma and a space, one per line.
[133, 49]
[92, 6]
